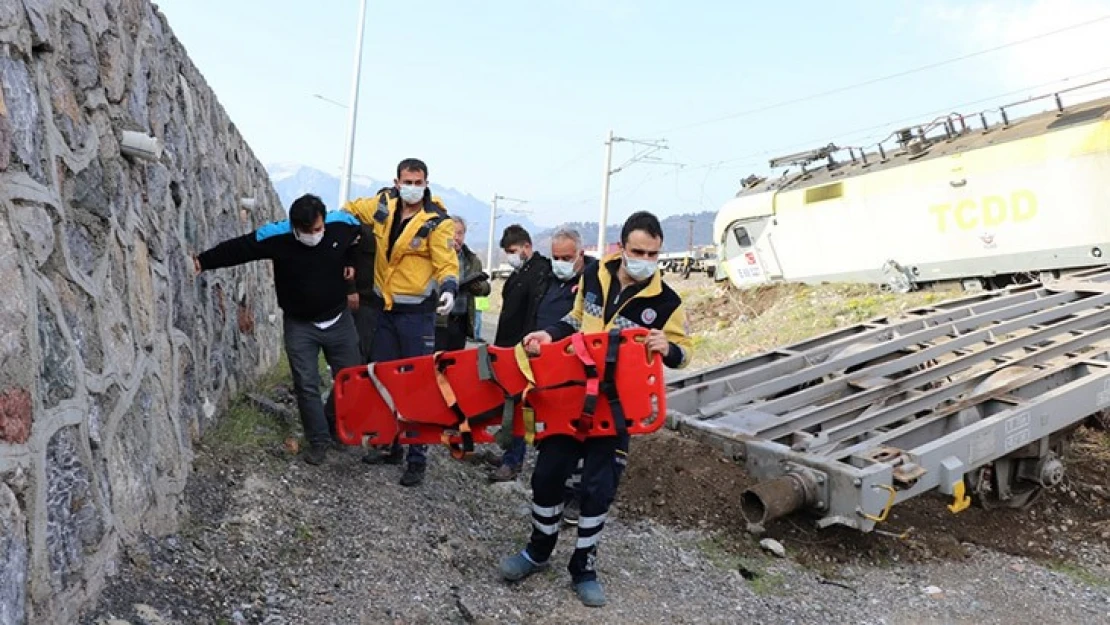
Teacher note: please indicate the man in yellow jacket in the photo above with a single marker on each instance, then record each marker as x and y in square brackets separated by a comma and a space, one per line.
[416, 276]
[624, 290]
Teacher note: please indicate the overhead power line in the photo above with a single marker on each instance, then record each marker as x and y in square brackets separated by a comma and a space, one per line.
[873, 81]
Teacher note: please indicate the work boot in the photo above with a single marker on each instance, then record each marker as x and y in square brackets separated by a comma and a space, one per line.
[413, 475]
[504, 473]
[516, 567]
[384, 456]
[571, 511]
[590, 593]
[316, 454]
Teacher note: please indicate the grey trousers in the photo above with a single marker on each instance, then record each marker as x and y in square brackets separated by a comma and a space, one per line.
[303, 342]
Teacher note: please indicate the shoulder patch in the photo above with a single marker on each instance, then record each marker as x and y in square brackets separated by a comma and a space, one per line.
[273, 229]
[648, 316]
[340, 216]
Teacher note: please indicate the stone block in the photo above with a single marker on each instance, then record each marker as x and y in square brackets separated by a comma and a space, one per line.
[13, 300]
[142, 289]
[36, 229]
[69, 117]
[39, 14]
[57, 373]
[80, 63]
[13, 559]
[100, 409]
[114, 65]
[86, 236]
[24, 115]
[73, 520]
[80, 317]
[246, 317]
[90, 190]
[15, 416]
[142, 450]
[114, 316]
[5, 135]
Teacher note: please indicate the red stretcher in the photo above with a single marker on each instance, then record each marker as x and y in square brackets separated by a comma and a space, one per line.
[585, 385]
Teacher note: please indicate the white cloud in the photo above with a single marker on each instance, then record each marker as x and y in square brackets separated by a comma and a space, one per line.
[1076, 52]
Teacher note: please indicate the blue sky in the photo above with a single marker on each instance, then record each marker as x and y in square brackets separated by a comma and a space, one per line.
[515, 97]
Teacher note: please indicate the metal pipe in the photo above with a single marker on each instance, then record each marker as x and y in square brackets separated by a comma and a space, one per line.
[777, 498]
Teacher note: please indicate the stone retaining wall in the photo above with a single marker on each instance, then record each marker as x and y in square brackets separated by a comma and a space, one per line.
[113, 357]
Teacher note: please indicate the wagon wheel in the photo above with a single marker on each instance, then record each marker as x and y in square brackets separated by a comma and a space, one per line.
[983, 484]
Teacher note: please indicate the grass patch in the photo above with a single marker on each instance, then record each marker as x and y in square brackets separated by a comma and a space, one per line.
[730, 324]
[243, 426]
[754, 568]
[1080, 574]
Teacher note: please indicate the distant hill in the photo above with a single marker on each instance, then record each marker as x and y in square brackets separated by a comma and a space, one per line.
[292, 180]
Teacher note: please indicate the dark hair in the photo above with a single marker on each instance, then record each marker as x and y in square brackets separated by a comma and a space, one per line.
[515, 235]
[641, 220]
[412, 164]
[305, 209]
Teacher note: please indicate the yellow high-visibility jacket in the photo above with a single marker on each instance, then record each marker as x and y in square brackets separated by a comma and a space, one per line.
[422, 262]
[654, 305]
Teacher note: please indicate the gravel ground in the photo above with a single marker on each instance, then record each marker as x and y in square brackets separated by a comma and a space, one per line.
[272, 540]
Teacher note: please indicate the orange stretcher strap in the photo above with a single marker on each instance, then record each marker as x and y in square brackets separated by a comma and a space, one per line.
[586, 420]
[452, 402]
[526, 410]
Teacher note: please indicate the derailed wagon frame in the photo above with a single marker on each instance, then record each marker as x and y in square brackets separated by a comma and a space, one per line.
[970, 397]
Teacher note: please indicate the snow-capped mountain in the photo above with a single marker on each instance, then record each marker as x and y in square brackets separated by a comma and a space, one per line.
[292, 180]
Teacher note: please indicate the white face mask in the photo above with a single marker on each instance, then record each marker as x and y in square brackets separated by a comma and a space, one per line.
[563, 269]
[516, 261]
[411, 194]
[311, 240]
[639, 269]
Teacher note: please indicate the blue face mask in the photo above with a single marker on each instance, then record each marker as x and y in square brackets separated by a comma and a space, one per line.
[640, 269]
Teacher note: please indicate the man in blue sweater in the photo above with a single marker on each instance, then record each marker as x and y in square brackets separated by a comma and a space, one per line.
[314, 259]
[568, 261]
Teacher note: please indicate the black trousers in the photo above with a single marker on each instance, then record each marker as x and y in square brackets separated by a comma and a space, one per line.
[453, 335]
[366, 320]
[603, 462]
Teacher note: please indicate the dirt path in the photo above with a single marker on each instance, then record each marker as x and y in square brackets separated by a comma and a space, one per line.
[273, 540]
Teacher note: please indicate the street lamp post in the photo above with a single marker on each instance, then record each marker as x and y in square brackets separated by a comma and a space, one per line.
[352, 113]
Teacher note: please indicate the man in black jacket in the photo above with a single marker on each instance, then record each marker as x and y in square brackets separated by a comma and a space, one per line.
[314, 258]
[520, 301]
[523, 289]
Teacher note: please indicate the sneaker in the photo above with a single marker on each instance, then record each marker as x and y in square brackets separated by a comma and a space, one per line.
[413, 475]
[590, 593]
[571, 511]
[383, 456]
[504, 473]
[316, 454]
[516, 567]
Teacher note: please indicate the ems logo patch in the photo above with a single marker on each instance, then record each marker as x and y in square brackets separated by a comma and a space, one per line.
[591, 298]
[648, 315]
